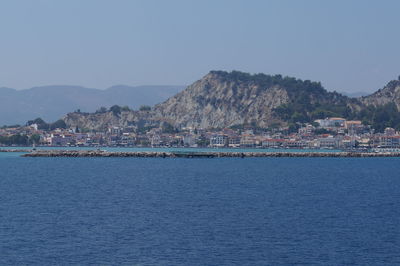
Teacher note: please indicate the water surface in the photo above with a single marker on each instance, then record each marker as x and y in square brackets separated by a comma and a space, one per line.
[225, 211]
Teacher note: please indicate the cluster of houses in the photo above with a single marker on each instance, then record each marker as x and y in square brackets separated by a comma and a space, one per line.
[331, 133]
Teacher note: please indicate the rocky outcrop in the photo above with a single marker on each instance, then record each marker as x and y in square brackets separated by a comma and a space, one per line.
[224, 99]
[389, 94]
[215, 102]
[101, 121]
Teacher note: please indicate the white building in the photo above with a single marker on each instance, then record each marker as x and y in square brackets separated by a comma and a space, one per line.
[219, 141]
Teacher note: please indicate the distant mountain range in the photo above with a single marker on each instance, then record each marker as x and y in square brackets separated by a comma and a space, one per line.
[236, 99]
[52, 102]
[356, 94]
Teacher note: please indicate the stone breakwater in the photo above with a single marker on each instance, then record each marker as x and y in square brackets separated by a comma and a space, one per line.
[15, 150]
[61, 153]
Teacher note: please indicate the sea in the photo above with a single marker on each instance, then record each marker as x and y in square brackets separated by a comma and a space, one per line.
[207, 211]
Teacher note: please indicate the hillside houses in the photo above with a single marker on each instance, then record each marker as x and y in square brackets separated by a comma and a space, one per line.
[329, 133]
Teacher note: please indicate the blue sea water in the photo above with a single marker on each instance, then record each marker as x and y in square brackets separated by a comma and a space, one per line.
[221, 211]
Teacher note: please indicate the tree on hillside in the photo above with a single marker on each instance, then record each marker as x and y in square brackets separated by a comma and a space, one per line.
[34, 139]
[115, 109]
[17, 139]
[168, 128]
[101, 110]
[125, 108]
[144, 108]
[58, 124]
[42, 125]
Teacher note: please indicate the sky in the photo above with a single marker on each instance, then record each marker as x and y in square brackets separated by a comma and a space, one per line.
[348, 45]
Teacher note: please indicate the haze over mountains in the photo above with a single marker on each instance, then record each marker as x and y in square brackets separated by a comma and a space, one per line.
[53, 102]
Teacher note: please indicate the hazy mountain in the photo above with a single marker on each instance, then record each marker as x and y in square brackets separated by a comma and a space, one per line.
[355, 94]
[52, 102]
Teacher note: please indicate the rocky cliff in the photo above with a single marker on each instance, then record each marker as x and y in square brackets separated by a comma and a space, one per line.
[216, 101]
[101, 121]
[387, 95]
[223, 99]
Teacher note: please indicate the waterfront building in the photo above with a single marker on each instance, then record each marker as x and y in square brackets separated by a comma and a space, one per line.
[384, 141]
[156, 141]
[219, 140]
[354, 127]
[329, 142]
[60, 139]
[273, 143]
[234, 141]
[307, 130]
[247, 140]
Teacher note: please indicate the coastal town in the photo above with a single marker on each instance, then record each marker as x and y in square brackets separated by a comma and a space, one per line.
[328, 133]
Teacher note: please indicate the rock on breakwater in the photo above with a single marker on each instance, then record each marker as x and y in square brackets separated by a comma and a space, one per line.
[15, 150]
[96, 153]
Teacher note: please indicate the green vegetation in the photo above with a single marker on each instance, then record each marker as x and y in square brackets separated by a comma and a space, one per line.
[34, 139]
[42, 125]
[320, 131]
[293, 127]
[294, 86]
[380, 117]
[58, 124]
[144, 129]
[309, 100]
[307, 111]
[202, 142]
[19, 139]
[116, 110]
[125, 108]
[144, 108]
[10, 126]
[168, 128]
[101, 110]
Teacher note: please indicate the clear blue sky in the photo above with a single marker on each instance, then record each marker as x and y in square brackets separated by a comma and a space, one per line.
[348, 45]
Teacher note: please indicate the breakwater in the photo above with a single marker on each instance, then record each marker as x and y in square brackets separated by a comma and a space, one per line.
[97, 153]
[15, 150]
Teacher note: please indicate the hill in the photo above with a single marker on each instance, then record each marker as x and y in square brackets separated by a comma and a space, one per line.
[234, 99]
[223, 99]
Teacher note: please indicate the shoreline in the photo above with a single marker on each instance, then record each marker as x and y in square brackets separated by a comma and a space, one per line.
[157, 154]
